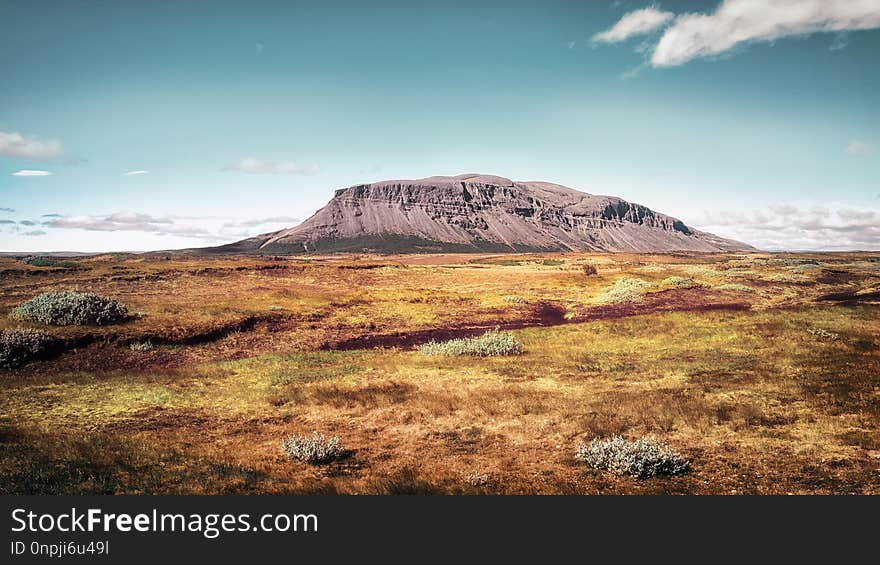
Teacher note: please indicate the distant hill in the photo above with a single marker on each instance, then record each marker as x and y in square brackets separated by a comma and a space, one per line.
[479, 213]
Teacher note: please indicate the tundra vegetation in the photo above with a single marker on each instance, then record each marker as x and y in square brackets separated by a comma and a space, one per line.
[763, 376]
[314, 449]
[70, 308]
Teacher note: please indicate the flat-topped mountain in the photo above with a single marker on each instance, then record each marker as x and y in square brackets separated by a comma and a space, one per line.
[480, 213]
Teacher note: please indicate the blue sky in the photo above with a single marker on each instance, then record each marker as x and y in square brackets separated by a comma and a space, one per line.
[242, 117]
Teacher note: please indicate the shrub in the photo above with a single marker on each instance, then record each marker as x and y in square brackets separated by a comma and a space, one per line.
[642, 458]
[624, 289]
[804, 267]
[735, 287]
[315, 449]
[703, 272]
[141, 345]
[43, 261]
[785, 278]
[17, 347]
[71, 309]
[479, 479]
[487, 345]
[589, 269]
[515, 299]
[823, 334]
[680, 282]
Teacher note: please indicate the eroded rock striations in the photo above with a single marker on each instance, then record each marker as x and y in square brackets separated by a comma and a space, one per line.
[480, 213]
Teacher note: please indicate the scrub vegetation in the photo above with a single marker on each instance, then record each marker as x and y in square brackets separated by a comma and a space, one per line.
[684, 373]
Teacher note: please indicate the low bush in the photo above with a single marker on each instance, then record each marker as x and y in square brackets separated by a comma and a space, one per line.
[487, 345]
[823, 334]
[479, 479]
[680, 282]
[515, 299]
[642, 458]
[71, 309]
[735, 287]
[589, 270]
[315, 449]
[17, 347]
[785, 277]
[623, 290]
[43, 261]
[141, 345]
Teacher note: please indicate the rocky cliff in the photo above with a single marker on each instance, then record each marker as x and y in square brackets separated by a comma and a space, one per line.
[475, 212]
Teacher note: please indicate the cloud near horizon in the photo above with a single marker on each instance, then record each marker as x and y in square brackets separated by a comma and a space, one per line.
[31, 173]
[135, 173]
[737, 22]
[253, 222]
[857, 147]
[14, 144]
[246, 228]
[208, 229]
[254, 166]
[634, 23]
[9, 210]
[128, 221]
[799, 227]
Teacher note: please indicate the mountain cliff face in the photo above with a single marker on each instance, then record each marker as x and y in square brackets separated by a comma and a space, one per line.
[481, 213]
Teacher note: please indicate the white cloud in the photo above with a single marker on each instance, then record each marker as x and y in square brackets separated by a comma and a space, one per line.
[257, 167]
[253, 222]
[857, 147]
[34, 233]
[208, 228]
[634, 23]
[133, 173]
[10, 210]
[13, 144]
[254, 226]
[31, 173]
[127, 221]
[802, 226]
[737, 22]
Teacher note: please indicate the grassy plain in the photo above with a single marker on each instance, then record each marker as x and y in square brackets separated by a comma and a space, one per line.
[762, 369]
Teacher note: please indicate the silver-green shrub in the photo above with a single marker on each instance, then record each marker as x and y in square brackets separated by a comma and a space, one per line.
[735, 287]
[141, 345]
[642, 458]
[624, 289]
[17, 347]
[680, 282]
[70, 308]
[315, 449]
[823, 334]
[489, 344]
[43, 261]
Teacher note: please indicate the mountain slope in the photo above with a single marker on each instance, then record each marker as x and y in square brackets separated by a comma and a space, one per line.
[480, 213]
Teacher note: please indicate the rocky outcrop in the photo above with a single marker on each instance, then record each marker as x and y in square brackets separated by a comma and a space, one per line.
[481, 213]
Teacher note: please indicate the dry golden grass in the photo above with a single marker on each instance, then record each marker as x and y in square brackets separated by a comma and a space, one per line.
[248, 350]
